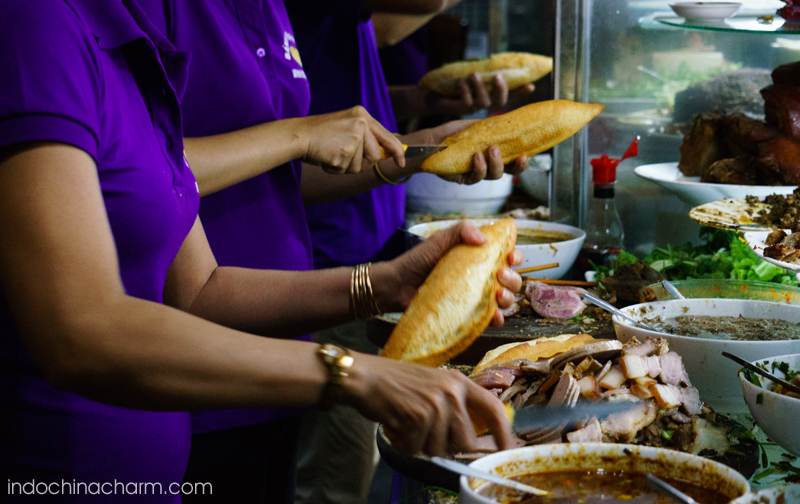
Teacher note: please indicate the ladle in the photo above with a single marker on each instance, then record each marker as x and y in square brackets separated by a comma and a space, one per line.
[670, 491]
[673, 291]
[613, 309]
[465, 470]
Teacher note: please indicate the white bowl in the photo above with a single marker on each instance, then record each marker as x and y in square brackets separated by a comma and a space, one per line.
[709, 371]
[773, 412]
[610, 457]
[705, 11]
[536, 179]
[428, 193]
[564, 252]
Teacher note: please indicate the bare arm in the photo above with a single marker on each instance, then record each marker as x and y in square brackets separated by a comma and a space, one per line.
[319, 187]
[339, 142]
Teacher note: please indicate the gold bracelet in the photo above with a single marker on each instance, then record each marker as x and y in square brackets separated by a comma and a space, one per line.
[387, 179]
[338, 361]
[362, 299]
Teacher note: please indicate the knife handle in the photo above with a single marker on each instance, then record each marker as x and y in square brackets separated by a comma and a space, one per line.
[385, 155]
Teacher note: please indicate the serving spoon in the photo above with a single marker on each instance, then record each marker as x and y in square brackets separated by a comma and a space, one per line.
[665, 488]
[766, 374]
[613, 309]
[465, 470]
[673, 291]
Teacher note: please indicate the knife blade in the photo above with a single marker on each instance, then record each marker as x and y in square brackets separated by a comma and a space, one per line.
[543, 417]
[413, 151]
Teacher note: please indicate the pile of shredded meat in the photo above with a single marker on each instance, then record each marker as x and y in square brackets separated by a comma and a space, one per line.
[669, 411]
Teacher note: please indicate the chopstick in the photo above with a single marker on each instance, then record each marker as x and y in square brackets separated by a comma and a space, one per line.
[574, 283]
[537, 268]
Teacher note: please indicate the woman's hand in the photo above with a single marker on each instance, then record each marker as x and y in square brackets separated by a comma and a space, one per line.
[413, 267]
[348, 141]
[485, 165]
[424, 409]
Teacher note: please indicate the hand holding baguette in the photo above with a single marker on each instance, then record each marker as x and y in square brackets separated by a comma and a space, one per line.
[458, 299]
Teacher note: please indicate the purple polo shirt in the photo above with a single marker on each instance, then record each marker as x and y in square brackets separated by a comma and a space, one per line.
[340, 53]
[246, 70]
[98, 77]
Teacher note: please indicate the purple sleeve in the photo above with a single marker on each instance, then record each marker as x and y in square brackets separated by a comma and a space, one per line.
[49, 86]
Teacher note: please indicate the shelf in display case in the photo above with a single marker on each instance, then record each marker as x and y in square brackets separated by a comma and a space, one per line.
[745, 23]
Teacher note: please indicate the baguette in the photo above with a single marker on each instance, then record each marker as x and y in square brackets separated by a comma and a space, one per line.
[455, 303]
[516, 68]
[525, 131]
[541, 348]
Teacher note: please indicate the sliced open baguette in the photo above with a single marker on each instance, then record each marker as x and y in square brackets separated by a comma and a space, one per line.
[517, 69]
[456, 302]
[526, 131]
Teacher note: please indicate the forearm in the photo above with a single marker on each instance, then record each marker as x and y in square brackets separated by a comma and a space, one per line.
[287, 303]
[149, 356]
[317, 186]
[220, 161]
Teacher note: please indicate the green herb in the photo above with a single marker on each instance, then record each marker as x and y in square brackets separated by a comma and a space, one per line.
[751, 377]
[667, 434]
[763, 474]
[760, 398]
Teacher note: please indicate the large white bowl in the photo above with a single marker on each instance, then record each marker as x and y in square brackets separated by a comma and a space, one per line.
[713, 374]
[536, 179]
[564, 253]
[610, 457]
[778, 495]
[694, 192]
[428, 193]
[774, 413]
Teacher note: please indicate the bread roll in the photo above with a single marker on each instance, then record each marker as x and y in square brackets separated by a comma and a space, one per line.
[541, 348]
[516, 68]
[456, 302]
[526, 131]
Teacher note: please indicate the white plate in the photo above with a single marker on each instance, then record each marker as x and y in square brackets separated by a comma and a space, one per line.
[694, 192]
[755, 240]
[705, 11]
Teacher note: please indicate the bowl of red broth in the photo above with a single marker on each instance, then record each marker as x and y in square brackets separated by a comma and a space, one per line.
[601, 473]
[700, 329]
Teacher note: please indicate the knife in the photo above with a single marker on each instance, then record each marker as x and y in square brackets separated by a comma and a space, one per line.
[413, 151]
[545, 417]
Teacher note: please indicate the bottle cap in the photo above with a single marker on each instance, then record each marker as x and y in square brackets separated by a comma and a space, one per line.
[604, 170]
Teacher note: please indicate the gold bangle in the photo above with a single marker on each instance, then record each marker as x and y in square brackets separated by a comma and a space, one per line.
[362, 299]
[387, 179]
[338, 361]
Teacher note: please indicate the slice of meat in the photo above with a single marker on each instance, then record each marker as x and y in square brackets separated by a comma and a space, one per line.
[775, 237]
[559, 302]
[633, 347]
[495, 377]
[590, 390]
[614, 378]
[780, 157]
[624, 426]
[591, 433]
[563, 391]
[672, 370]
[690, 397]
[782, 108]
[668, 396]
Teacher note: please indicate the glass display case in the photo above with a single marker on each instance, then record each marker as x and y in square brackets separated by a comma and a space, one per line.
[654, 71]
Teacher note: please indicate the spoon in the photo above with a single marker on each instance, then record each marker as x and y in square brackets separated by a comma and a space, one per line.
[766, 374]
[613, 309]
[466, 470]
[665, 488]
[673, 291]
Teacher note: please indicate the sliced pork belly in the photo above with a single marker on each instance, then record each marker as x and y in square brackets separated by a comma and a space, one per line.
[555, 301]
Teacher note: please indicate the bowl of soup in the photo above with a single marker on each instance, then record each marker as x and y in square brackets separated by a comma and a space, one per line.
[699, 330]
[594, 472]
[541, 242]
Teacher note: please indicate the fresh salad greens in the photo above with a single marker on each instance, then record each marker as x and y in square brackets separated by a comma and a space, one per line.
[723, 254]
